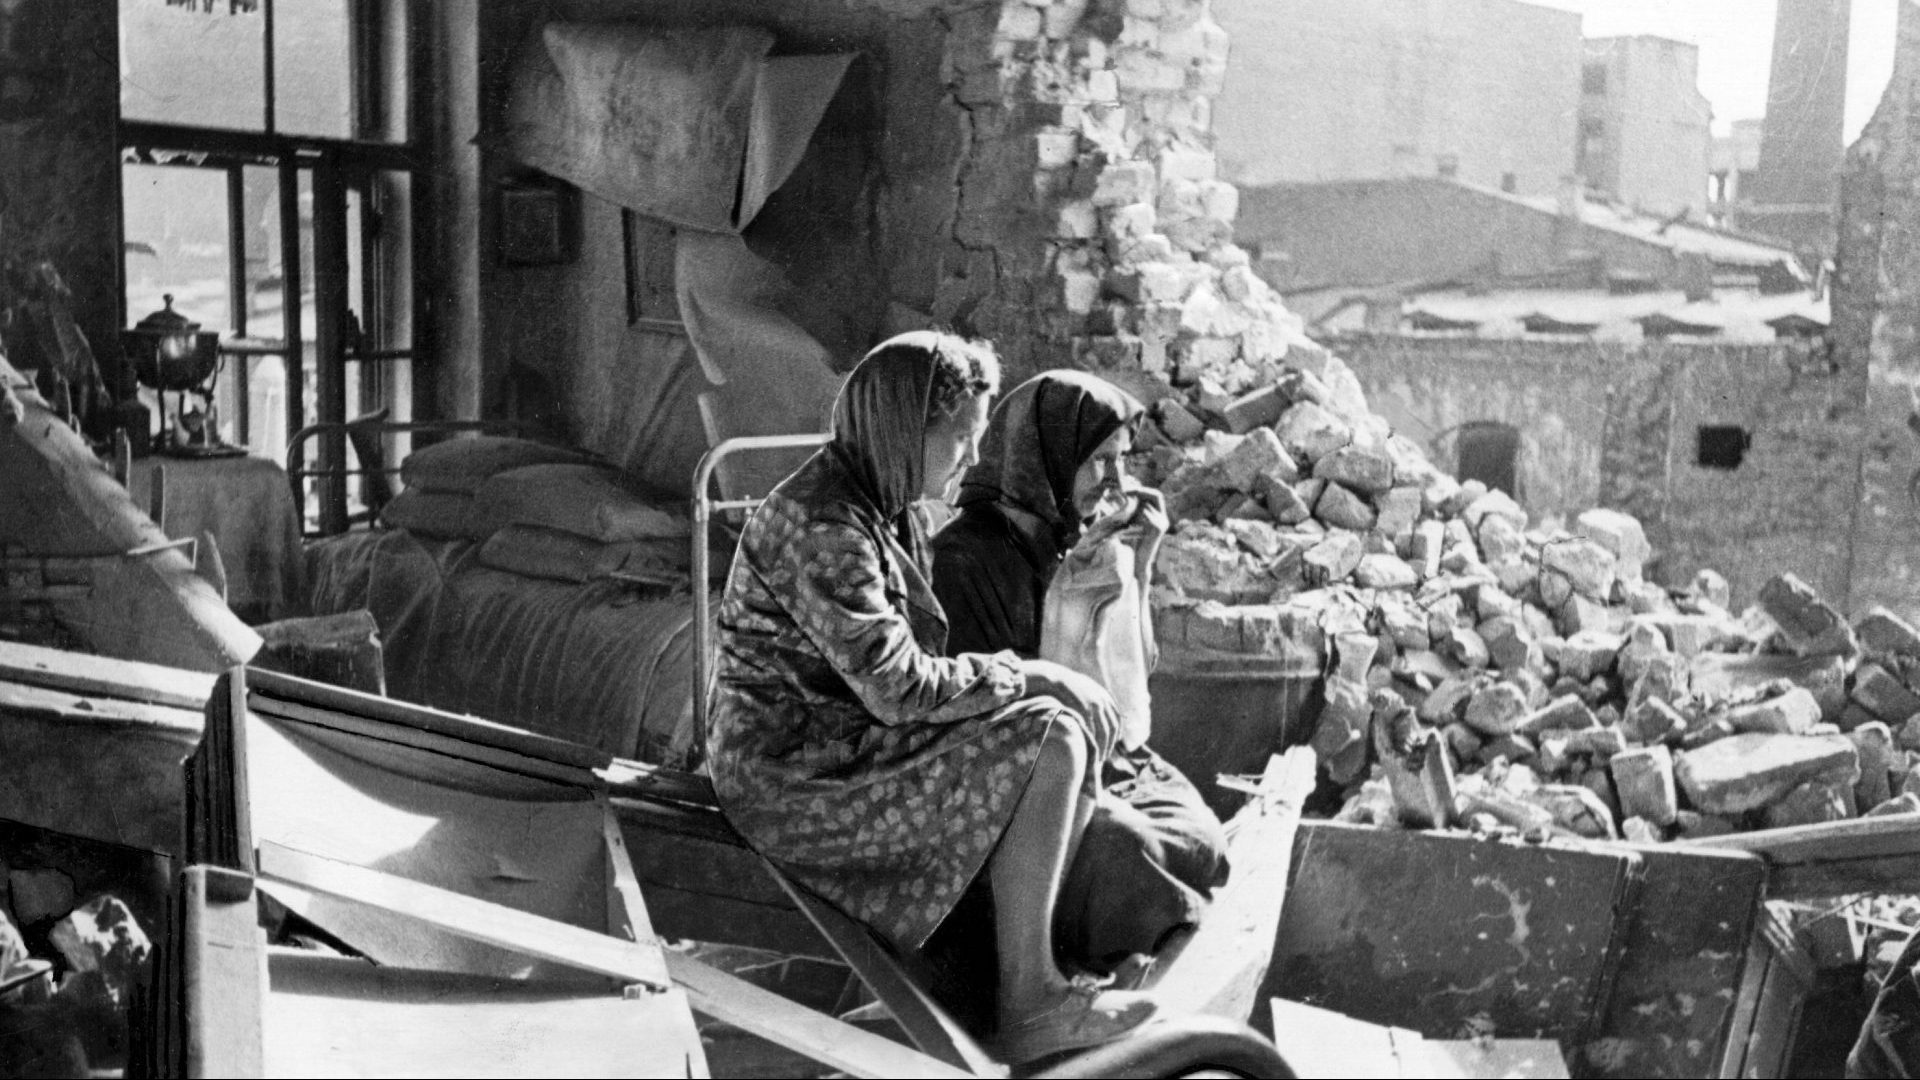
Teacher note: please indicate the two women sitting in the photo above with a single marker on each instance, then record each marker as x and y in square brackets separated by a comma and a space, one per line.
[887, 758]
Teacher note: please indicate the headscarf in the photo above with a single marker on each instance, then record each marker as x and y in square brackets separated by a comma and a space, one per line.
[880, 420]
[1037, 439]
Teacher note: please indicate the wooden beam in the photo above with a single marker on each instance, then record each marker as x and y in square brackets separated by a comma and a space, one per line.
[467, 916]
[1220, 969]
[225, 973]
[88, 675]
[798, 1028]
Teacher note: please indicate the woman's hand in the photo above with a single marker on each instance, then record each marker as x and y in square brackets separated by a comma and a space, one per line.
[1081, 694]
[1151, 518]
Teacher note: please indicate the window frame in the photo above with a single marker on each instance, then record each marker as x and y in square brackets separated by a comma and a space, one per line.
[334, 166]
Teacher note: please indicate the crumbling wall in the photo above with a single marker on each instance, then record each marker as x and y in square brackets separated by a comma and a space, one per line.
[1094, 229]
[1619, 425]
[1876, 330]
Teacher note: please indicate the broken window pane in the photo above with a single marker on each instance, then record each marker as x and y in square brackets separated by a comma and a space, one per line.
[1722, 446]
[313, 68]
[184, 65]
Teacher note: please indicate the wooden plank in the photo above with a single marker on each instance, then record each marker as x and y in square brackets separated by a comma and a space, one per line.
[923, 1019]
[226, 974]
[1321, 1042]
[1496, 1059]
[470, 729]
[725, 920]
[85, 674]
[820, 1037]
[106, 713]
[1881, 874]
[275, 709]
[1220, 969]
[465, 916]
[626, 907]
[1830, 841]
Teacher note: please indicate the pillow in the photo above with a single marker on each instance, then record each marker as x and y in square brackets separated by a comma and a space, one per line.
[446, 515]
[464, 464]
[585, 500]
[531, 551]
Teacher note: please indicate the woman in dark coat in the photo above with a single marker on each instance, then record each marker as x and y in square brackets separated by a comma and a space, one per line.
[849, 748]
[1054, 446]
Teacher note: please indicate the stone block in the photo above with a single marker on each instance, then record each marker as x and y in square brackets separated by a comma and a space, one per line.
[1177, 422]
[1397, 511]
[1599, 742]
[1648, 598]
[1577, 809]
[1588, 653]
[1643, 779]
[1259, 538]
[1623, 537]
[1340, 506]
[1258, 409]
[1310, 432]
[1282, 501]
[1587, 566]
[1792, 713]
[1883, 695]
[1492, 502]
[1332, 559]
[1258, 453]
[1811, 803]
[1384, 572]
[1425, 547]
[1580, 614]
[1444, 614]
[1883, 633]
[1745, 772]
[1362, 468]
[1654, 721]
[1708, 585]
[1496, 710]
[1510, 645]
[1727, 677]
[1564, 713]
[1126, 182]
[1498, 539]
[1211, 566]
[1465, 647]
[1808, 624]
[1645, 647]
[1874, 744]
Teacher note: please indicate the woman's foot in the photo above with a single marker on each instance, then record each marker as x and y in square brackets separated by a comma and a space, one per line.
[1083, 1014]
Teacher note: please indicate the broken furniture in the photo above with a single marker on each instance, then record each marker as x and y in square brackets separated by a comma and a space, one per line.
[1642, 960]
[472, 874]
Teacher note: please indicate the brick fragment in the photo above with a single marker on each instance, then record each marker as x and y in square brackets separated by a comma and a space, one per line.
[1883, 633]
[1644, 780]
[1587, 567]
[1363, 469]
[1341, 506]
[1874, 744]
[1332, 559]
[1811, 803]
[1564, 713]
[1808, 624]
[1792, 713]
[1384, 572]
[1623, 537]
[1496, 710]
[1310, 432]
[1883, 695]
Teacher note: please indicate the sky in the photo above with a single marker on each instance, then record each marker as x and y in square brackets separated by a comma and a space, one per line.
[1736, 47]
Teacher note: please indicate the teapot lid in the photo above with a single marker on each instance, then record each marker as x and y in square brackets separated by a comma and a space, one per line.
[167, 321]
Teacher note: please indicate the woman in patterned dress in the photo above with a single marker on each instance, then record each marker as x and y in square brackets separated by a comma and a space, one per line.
[873, 769]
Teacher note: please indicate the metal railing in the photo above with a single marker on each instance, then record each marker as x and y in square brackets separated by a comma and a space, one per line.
[704, 507]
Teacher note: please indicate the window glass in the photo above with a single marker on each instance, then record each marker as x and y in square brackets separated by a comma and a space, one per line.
[176, 242]
[313, 68]
[180, 64]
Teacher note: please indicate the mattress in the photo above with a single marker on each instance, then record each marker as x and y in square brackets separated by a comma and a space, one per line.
[608, 663]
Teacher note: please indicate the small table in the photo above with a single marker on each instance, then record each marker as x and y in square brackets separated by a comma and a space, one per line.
[246, 505]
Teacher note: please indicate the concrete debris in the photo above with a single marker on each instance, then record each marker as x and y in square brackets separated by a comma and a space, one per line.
[1566, 689]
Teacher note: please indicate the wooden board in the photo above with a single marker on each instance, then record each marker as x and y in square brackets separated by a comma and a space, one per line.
[85, 674]
[1448, 934]
[1684, 952]
[330, 1016]
[1324, 1043]
[1219, 970]
[1879, 854]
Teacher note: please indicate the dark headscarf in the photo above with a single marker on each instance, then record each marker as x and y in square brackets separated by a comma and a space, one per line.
[1036, 441]
[880, 420]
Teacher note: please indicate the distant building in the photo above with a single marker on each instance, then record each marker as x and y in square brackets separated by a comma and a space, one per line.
[1487, 91]
[1431, 229]
[1731, 169]
[1644, 133]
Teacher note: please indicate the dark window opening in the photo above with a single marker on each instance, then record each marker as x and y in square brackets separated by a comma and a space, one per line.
[1722, 446]
[1490, 453]
[1509, 183]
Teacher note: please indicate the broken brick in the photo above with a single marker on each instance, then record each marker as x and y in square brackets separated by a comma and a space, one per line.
[1310, 432]
[1361, 468]
[1496, 710]
[1792, 713]
[1746, 772]
[1810, 626]
[1643, 778]
[1341, 506]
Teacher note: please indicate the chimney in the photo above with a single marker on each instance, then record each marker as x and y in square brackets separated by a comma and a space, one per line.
[1800, 139]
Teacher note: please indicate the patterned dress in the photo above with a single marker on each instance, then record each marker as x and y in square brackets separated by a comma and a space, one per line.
[841, 743]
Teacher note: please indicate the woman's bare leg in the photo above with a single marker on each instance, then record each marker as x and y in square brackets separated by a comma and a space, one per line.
[1026, 870]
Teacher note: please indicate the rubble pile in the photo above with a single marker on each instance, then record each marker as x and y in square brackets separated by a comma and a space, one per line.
[1489, 671]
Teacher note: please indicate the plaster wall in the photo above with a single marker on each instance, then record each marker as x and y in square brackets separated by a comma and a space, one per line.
[1655, 123]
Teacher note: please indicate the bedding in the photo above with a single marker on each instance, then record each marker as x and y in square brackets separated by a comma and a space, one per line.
[607, 662]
